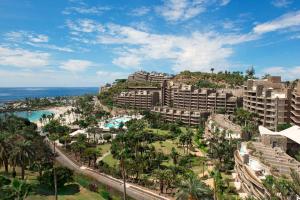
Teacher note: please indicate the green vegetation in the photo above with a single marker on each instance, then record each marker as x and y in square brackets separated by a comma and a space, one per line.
[282, 127]
[211, 80]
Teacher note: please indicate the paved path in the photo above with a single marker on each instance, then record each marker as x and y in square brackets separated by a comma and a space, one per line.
[103, 156]
[133, 190]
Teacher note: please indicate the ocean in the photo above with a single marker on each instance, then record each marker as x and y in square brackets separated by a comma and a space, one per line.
[20, 93]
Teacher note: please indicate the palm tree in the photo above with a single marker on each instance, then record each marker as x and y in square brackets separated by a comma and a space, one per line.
[174, 155]
[193, 189]
[18, 189]
[212, 70]
[4, 150]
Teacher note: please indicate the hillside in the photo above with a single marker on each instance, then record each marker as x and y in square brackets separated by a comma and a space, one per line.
[211, 80]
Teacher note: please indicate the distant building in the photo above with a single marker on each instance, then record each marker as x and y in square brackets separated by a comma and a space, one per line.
[269, 99]
[188, 117]
[137, 99]
[105, 88]
[152, 77]
[187, 97]
[295, 105]
[222, 124]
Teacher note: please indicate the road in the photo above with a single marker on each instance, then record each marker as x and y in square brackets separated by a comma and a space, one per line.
[133, 191]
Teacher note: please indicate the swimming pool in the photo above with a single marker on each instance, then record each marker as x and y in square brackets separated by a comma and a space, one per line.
[115, 123]
[32, 116]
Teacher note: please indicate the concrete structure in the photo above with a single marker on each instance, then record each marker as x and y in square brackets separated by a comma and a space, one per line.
[139, 99]
[254, 161]
[152, 77]
[295, 105]
[187, 97]
[221, 123]
[288, 140]
[269, 99]
[189, 117]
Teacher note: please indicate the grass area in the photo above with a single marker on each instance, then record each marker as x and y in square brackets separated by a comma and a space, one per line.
[110, 161]
[104, 148]
[159, 131]
[197, 165]
[69, 192]
[166, 147]
[78, 190]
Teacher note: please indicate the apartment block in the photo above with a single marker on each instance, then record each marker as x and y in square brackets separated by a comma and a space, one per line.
[138, 99]
[295, 105]
[189, 117]
[152, 77]
[269, 99]
[187, 97]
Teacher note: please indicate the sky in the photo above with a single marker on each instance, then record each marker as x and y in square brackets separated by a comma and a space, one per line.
[91, 42]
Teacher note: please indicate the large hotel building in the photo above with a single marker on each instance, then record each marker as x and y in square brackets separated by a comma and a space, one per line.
[180, 100]
[269, 99]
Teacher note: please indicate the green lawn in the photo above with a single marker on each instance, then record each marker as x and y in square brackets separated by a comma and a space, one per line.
[69, 192]
[104, 148]
[110, 160]
[159, 131]
[166, 147]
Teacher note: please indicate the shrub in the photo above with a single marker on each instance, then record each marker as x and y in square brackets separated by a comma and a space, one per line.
[64, 175]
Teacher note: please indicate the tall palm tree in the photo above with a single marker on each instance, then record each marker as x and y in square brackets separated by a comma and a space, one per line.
[22, 154]
[193, 189]
[4, 150]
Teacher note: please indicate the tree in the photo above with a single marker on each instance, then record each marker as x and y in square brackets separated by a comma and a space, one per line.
[212, 70]
[120, 150]
[174, 155]
[15, 189]
[193, 189]
[92, 154]
[162, 177]
[64, 175]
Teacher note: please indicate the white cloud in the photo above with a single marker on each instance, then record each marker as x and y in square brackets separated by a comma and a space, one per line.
[33, 39]
[127, 61]
[76, 65]
[224, 2]
[181, 10]
[288, 73]
[51, 46]
[26, 36]
[86, 10]
[18, 57]
[198, 51]
[140, 11]
[286, 21]
[281, 3]
[84, 25]
[111, 76]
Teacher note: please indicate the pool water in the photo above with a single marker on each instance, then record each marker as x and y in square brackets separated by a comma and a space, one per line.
[115, 123]
[32, 116]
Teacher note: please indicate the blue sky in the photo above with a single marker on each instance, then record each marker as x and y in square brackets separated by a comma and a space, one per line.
[90, 42]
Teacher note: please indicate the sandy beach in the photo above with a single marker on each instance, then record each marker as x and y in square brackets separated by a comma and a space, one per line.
[58, 111]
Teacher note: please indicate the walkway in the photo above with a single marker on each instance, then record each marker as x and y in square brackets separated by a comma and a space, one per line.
[133, 191]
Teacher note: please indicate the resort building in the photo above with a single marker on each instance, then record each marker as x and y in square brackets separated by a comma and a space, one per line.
[152, 77]
[295, 105]
[254, 161]
[138, 99]
[222, 124]
[189, 117]
[269, 99]
[288, 140]
[187, 97]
